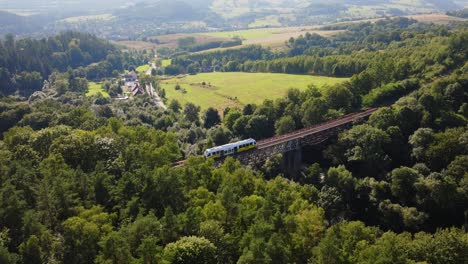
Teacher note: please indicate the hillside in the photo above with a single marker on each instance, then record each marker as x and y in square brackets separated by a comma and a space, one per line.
[157, 17]
[94, 168]
[165, 11]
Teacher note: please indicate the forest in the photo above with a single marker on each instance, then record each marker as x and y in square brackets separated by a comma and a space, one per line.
[90, 179]
[26, 63]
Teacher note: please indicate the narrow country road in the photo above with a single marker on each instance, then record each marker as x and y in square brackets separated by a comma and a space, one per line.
[150, 90]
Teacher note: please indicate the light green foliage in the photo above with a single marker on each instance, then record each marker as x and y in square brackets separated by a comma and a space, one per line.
[83, 232]
[190, 250]
[341, 240]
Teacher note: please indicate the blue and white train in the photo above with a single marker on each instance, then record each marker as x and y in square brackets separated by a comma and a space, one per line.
[230, 149]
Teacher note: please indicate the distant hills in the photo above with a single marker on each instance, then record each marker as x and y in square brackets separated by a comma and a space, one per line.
[153, 17]
[164, 11]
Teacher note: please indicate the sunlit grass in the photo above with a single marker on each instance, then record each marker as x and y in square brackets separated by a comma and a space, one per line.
[95, 88]
[143, 68]
[224, 89]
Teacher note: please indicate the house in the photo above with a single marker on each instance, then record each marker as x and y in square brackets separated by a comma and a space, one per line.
[136, 89]
[130, 78]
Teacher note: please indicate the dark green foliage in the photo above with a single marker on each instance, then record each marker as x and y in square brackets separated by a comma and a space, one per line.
[389, 93]
[89, 180]
[211, 118]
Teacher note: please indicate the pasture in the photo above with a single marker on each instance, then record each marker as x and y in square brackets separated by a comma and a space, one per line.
[78, 19]
[143, 68]
[95, 88]
[166, 63]
[236, 89]
[269, 37]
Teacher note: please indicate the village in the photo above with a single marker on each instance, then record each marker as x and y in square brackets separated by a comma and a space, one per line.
[132, 87]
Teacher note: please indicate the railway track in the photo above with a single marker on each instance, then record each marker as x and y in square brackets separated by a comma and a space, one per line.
[314, 129]
[266, 143]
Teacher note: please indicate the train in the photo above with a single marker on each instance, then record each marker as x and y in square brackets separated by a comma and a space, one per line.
[230, 149]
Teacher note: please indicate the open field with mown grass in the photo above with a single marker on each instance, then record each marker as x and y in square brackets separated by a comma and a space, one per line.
[436, 18]
[95, 88]
[143, 68]
[166, 63]
[274, 38]
[223, 89]
[88, 18]
[270, 37]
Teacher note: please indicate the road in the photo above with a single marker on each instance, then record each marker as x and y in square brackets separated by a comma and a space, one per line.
[150, 90]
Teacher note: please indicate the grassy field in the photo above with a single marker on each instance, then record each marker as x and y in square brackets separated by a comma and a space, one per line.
[95, 88]
[270, 37]
[87, 18]
[244, 34]
[166, 63]
[266, 22]
[237, 89]
[143, 68]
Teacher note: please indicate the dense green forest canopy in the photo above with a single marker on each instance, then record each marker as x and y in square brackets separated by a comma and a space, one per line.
[25, 63]
[90, 179]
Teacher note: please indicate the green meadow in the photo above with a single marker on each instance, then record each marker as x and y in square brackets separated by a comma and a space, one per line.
[166, 63]
[95, 88]
[247, 34]
[222, 89]
[143, 68]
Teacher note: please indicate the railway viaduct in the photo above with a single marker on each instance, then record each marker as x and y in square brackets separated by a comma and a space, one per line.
[290, 145]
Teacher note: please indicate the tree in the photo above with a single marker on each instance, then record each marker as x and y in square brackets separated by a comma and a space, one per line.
[7, 257]
[309, 229]
[78, 84]
[191, 112]
[402, 184]
[314, 111]
[240, 125]
[194, 68]
[29, 82]
[230, 118]
[114, 249]
[31, 252]
[341, 241]
[363, 146]
[285, 125]
[338, 97]
[175, 106]
[220, 136]
[249, 109]
[211, 118]
[389, 248]
[12, 208]
[149, 250]
[259, 127]
[190, 250]
[420, 141]
[331, 200]
[313, 174]
[83, 232]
